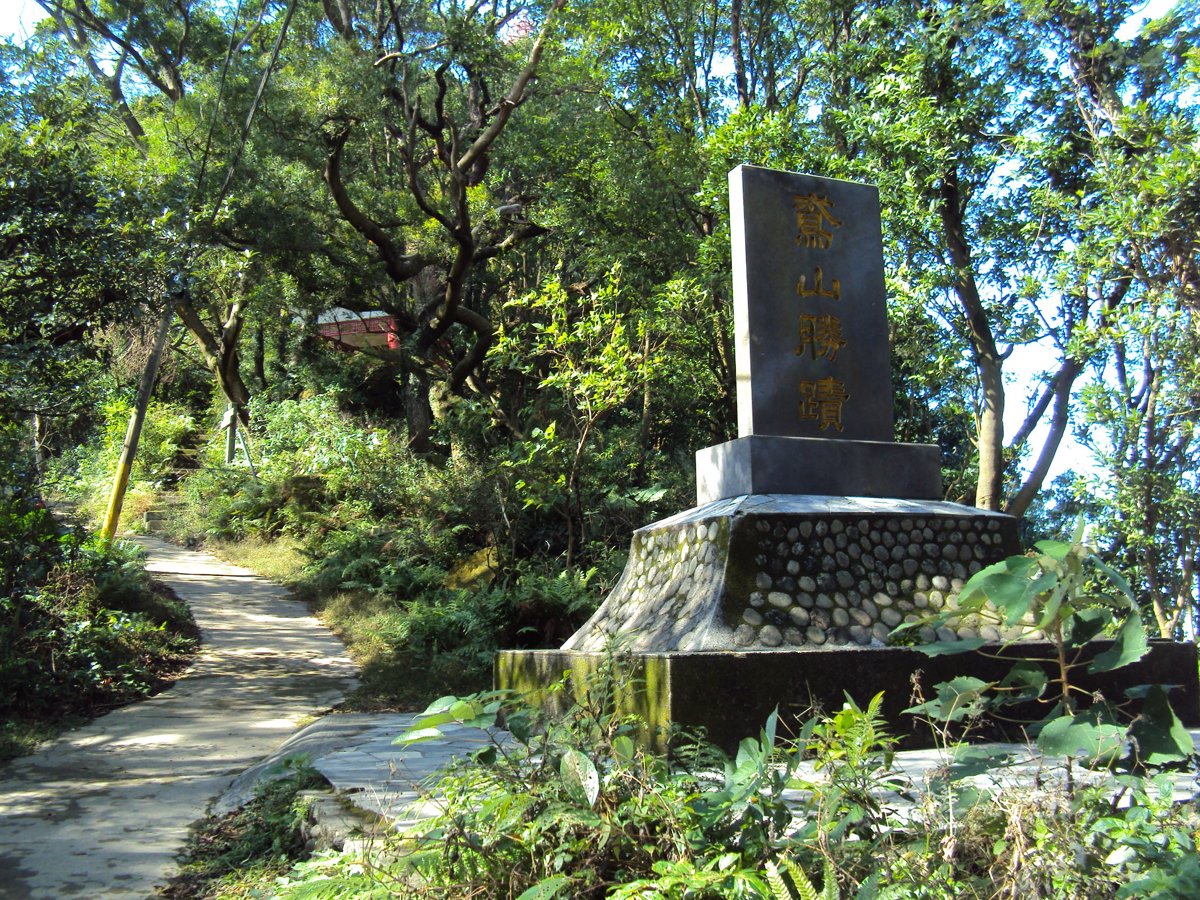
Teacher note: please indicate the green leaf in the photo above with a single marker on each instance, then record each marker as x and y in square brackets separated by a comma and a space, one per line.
[1009, 587]
[971, 761]
[623, 747]
[956, 699]
[546, 888]
[520, 726]
[1086, 624]
[975, 584]
[768, 737]
[1054, 549]
[441, 704]
[1131, 645]
[416, 735]
[463, 710]
[949, 648]
[1157, 735]
[1085, 734]
[1117, 579]
[580, 778]
[1025, 681]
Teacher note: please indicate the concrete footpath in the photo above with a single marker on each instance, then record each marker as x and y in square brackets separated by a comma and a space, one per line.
[105, 810]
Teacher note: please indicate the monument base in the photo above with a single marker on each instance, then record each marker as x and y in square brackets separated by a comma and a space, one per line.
[730, 695]
[761, 464]
[768, 571]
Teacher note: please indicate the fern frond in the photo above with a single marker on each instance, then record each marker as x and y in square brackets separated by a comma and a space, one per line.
[805, 890]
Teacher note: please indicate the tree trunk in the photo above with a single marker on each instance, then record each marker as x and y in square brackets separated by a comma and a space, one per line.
[133, 434]
[260, 357]
[38, 434]
[220, 353]
[647, 408]
[1060, 417]
[418, 412]
[988, 360]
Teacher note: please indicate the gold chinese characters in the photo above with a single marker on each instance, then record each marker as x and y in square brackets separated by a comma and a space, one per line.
[812, 212]
[820, 336]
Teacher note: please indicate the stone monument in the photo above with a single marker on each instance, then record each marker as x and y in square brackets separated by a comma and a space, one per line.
[814, 388]
[814, 534]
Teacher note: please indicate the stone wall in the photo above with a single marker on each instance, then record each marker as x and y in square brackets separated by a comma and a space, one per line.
[802, 572]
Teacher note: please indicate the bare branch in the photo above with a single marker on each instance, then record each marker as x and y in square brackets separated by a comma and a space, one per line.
[514, 97]
[400, 266]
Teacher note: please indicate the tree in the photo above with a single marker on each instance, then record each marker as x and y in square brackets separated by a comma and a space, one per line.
[74, 253]
[142, 55]
[1142, 426]
[417, 100]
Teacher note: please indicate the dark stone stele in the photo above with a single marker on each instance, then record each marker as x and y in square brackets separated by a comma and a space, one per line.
[835, 257]
[790, 232]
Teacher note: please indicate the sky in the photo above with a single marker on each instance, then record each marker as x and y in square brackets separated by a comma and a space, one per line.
[18, 16]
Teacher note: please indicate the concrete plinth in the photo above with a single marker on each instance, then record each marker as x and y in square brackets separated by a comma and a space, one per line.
[730, 695]
[761, 464]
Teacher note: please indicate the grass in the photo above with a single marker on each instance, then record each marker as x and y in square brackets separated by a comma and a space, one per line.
[280, 560]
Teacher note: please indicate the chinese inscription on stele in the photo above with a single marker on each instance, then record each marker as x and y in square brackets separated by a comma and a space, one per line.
[812, 349]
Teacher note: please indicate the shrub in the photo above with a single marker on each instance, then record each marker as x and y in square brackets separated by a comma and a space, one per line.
[415, 638]
[84, 630]
[269, 830]
[575, 807]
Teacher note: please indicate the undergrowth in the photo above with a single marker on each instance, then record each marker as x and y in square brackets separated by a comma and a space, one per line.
[229, 855]
[82, 627]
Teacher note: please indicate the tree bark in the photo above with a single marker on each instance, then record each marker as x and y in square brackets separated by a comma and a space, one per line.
[988, 360]
[1060, 417]
[220, 353]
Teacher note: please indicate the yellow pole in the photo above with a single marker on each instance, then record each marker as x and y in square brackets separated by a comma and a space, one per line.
[112, 515]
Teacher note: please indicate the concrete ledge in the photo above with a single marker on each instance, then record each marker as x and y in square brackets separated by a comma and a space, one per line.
[730, 695]
[761, 464]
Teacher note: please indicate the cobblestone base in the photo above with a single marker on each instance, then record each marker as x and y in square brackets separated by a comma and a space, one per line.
[762, 572]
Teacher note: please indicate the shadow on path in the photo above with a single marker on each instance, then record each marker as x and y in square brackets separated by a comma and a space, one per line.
[104, 811]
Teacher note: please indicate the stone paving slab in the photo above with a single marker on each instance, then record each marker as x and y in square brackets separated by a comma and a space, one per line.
[104, 811]
[356, 754]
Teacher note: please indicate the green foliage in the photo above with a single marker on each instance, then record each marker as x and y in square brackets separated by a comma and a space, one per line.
[574, 807]
[1068, 595]
[29, 539]
[81, 627]
[84, 630]
[448, 637]
[591, 355]
[853, 764]
[84, 475]
[268, 830]
[73, 233]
